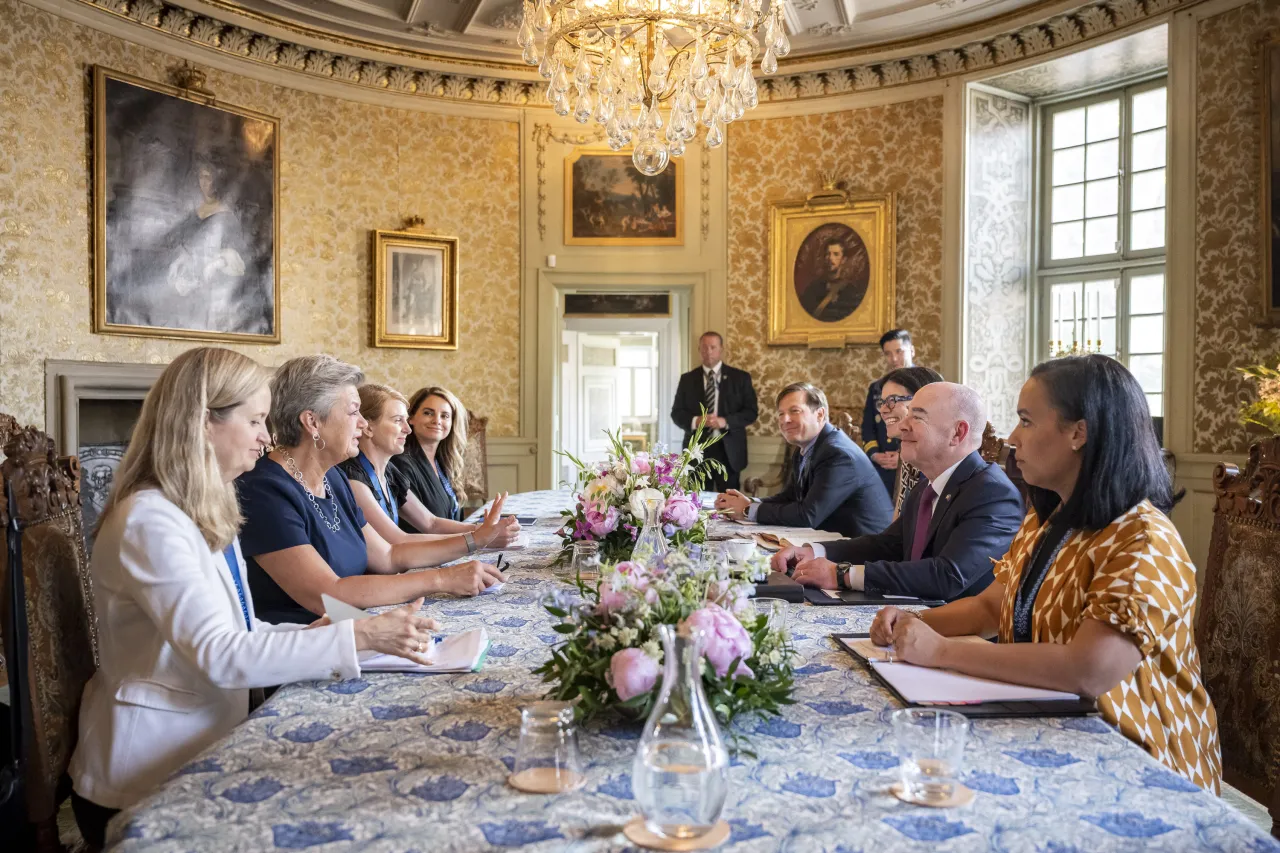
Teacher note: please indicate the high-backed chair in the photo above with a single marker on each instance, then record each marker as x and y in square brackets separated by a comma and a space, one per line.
[47, 615]
[1238, 626]
[993, 446]
[475, 465]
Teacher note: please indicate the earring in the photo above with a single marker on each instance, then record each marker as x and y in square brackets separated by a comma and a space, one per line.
[318, 441]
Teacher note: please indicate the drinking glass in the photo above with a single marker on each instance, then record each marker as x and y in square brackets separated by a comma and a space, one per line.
[774, 610]
[586, 561]
[930, 752]
[547, 759]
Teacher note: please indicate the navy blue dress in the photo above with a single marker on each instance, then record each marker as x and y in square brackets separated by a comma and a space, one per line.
[279, 515]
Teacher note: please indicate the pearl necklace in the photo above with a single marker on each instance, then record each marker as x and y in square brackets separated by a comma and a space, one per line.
[336, 524]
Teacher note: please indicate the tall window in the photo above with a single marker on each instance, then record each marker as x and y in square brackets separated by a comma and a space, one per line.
[1102, 232]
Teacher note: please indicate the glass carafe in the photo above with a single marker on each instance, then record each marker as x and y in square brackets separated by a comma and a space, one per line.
[650, 545]
[680, 774]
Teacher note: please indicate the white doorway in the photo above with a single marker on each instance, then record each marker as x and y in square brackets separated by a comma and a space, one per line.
[617, 373]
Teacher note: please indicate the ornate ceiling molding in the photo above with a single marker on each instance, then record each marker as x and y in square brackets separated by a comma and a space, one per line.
[1082, 24]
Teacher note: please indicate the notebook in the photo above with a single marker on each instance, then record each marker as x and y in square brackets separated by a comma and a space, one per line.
[832, 597]
[780, 586]
[776, 541]
[463, 652]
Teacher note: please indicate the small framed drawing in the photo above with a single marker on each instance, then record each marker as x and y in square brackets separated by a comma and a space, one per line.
[415, 290]
[608, 202]
[831, 269]
[1270, 184]
[186, 227]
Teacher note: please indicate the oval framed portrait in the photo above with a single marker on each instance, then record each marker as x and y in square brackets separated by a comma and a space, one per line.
[832, 271]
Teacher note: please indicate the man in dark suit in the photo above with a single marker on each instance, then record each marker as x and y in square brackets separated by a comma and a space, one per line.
[730, 401]
[959, 518]
[832, 486]
[880, 449]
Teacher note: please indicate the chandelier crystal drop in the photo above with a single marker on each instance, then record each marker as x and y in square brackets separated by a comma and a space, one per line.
[651, 72]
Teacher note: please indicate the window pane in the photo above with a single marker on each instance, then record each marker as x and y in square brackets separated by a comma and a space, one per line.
[1146, 229]
[1146, 294]
[644, 393]
[1068, 128]
[1068, 166]
[1156, 402]
[1068, 203]
[1147, 190]
[1148, 151]
[1149, 110]
[1104, 120]
[1100, 236]
[1102, 198]
[1103, 159]
[1146, 335]
[633, 356]
[624, 394]
[1067, 241]
[1149, 371]
[1100, 315]
[1064, 308]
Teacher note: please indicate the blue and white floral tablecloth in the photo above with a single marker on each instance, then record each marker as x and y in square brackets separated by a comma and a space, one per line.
[419, 763]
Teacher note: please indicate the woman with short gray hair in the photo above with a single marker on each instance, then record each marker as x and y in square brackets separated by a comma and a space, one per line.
[304, 534]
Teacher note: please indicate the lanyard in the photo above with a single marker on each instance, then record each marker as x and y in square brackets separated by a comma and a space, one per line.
[379, 493]
[234, 565]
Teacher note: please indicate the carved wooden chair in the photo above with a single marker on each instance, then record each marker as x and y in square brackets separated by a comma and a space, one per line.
[47, 613]
[1238, 626]
[475, 466]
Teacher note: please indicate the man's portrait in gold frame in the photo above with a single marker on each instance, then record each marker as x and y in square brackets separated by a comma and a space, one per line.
[831, 270]
[415, 290]
[608, 202]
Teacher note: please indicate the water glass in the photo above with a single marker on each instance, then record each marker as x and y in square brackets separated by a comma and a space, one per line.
[930, 752]
[547, 759]
[774, 610]
[586, 561]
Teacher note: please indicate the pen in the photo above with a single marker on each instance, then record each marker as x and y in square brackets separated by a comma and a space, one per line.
[498, 565]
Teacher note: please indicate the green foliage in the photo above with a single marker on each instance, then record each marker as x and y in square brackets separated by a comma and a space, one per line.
[1265, 411]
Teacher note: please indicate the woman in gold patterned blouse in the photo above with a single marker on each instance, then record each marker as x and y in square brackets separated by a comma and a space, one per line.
[1097, 594]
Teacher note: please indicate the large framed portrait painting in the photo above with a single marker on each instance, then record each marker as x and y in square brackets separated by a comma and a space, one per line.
[1270, 195]
[608, 202]
[185, 197]
[415, 290]
[831, 270]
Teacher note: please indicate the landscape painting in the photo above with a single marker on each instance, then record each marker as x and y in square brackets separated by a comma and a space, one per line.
[608, 202]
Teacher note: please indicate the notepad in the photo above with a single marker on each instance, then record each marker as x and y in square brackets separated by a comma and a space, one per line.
[463, 652]
[869, 651]
[796, 539]
[340, 611]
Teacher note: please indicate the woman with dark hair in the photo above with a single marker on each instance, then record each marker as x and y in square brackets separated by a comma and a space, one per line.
[1097, 594]
[897, 389]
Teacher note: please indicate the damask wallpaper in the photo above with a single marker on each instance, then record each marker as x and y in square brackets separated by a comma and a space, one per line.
[346, 168]
[996, 280]
[1228, 260]
[897, 147]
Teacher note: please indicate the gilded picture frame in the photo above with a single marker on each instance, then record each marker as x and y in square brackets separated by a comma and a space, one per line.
[608, 202]
[414, 290]
[832, 279]
[186, 214]
[1269, 197]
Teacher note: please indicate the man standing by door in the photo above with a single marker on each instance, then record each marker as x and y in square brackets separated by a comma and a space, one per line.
[730, 400]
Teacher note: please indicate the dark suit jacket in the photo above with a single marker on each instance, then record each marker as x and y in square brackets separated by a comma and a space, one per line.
[837, 490]
[875, 435]
[737, 406]
[974, 520]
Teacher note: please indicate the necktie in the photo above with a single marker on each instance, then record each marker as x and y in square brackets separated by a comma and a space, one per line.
[924, 514]
[709, 390]
[234, 565]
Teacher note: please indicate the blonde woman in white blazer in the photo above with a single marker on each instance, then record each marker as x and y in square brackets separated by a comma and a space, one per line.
[179, 646]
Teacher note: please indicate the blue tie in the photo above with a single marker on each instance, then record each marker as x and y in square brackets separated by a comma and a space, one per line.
[234, 565]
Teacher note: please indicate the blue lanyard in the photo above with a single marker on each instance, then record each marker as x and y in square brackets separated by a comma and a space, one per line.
[234, 565]
[380, 493]
[448, 487]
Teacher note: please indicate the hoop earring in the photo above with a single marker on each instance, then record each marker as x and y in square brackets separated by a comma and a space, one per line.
[318, 441]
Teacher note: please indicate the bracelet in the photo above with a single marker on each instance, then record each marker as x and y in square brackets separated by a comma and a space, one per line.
[471, 542]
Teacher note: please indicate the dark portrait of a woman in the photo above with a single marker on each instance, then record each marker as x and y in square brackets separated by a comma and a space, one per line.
[832, 272]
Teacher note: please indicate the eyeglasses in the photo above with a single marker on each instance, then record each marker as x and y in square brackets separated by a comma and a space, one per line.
[892, 400]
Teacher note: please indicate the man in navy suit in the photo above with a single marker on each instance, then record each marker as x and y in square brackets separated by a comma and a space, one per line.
[730, 402]
[832, 486]
[958, 519]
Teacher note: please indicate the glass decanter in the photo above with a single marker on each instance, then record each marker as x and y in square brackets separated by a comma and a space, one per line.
[650, 545]
[680, 773]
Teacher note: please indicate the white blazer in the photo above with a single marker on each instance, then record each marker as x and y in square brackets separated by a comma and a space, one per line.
[176, 660]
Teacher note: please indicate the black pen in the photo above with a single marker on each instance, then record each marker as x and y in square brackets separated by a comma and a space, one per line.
[498, 565]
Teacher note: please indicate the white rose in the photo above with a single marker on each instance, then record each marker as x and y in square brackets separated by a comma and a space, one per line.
[639, 496]
[652, 649]
[620, 472]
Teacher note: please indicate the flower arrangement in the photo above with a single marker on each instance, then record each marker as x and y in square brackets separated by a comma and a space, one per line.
[1264, 411]
[611, 495]
[611, 657]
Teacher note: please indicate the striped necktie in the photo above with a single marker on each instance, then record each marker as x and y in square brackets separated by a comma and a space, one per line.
[710, 391]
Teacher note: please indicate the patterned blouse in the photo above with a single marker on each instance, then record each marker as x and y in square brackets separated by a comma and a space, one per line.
[1135, 576]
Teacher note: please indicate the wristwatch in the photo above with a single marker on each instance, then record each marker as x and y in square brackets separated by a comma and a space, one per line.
[842, 576]
[471, 542]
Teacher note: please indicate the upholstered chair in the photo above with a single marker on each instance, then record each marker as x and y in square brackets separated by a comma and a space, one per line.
[475, 465]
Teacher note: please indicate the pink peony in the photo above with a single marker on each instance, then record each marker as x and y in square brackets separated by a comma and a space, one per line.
[641, 464]
[723, 639]
[610, 600]
[681, 510]
[602, 523]
[632, 673]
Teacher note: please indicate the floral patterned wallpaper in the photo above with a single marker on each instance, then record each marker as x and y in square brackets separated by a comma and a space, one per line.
[996, 280]
[1228, 258]
[896, 148]
[346, 168]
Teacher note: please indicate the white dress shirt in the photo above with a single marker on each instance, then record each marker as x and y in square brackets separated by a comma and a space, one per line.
[176, 658]
[714, 370]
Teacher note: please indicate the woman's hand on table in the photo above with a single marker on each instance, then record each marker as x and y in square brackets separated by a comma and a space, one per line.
[886, 621]
[400, 632]
[470, 578]
[915, 642]
[496, 531]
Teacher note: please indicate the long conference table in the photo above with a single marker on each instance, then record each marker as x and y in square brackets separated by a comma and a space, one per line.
[395, 762]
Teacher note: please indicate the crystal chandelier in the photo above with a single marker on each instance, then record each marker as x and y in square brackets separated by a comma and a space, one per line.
[651, 71]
